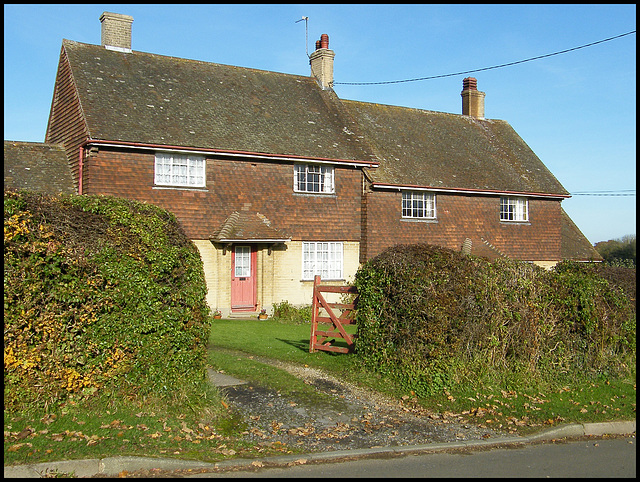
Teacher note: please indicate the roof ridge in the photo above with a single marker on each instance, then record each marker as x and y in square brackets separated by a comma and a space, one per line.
[184, 59]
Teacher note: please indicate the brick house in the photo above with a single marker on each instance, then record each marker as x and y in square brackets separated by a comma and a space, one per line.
[276, 179]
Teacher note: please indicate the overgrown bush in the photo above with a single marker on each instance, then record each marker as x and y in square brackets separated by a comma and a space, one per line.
[100, 294]
[429, 316]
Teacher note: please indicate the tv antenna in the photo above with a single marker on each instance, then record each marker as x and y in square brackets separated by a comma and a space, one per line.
[306, 33]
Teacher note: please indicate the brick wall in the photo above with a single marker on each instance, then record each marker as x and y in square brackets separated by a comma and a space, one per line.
[264, 187]
[460, 217]
[116, 30]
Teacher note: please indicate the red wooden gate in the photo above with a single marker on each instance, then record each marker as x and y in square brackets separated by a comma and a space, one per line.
[319, 338]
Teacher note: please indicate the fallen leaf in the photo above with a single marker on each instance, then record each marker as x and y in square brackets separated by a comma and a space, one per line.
[49, 418]
[24, 433]
[16, 447]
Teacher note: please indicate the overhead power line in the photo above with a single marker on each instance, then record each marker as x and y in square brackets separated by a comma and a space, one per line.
[489, 68]
[621, 192]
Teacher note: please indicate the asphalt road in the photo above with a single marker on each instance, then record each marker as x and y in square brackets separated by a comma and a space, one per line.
[589, 457]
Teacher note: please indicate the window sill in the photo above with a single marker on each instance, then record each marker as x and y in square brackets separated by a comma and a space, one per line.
[181, 188]
[521, 223]
[420, 220]
[333, 280]
[314, 194]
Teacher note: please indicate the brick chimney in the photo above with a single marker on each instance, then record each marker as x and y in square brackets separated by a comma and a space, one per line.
[116, 31]
[321, 61]
[472, 98]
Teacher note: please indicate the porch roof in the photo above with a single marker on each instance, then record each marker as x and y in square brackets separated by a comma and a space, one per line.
[244, 226]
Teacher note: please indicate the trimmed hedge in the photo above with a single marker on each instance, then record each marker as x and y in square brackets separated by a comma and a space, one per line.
[100, 293]
[427, 313]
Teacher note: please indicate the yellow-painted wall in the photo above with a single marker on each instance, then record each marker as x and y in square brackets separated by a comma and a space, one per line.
[279, 274]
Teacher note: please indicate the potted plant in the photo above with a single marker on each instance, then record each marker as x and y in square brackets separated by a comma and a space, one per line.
[217, 314]
[263, 314]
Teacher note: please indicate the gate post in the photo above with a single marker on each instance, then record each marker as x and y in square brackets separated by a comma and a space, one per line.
[315, 309]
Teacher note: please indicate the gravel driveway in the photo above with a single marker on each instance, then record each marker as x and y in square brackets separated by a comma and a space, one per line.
[352, 418]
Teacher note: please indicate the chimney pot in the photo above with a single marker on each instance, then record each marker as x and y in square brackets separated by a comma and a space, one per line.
[324, 41]
[317, 44]
[470, 83]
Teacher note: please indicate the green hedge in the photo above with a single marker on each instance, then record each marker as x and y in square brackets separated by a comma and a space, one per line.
[428, 314]
[100, 293]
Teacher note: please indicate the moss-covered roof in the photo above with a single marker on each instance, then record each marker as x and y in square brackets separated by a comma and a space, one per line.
[435, 149]
[246, 226]
[37, 166]
[575, 245]
[155, 99]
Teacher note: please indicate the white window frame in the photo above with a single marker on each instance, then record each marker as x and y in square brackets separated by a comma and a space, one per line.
[514, 209]
[418, 205]
[322, 258]
[313, 179]
[179, 170]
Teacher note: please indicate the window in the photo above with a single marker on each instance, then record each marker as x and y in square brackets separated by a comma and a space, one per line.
[514, 209]
[421, 205]
[324, 259]
[242, 262]
[185, 170]
[313, 178]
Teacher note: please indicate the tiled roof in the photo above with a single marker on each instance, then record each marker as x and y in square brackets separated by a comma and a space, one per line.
[246, 226]
[37, 166]
[439, 150]
[574, 245]
[155, 99]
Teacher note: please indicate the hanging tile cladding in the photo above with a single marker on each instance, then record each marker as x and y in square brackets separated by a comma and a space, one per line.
[233, 185]
[460, 217]
[66, 120]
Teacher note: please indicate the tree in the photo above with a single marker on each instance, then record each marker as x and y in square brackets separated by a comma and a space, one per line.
[619, 252]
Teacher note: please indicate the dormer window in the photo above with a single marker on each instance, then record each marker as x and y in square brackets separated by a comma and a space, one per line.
[313, 178]
[418, 205]
[180, 170]
[514, 209]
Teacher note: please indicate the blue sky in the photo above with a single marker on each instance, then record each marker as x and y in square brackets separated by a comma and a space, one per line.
[576, 110]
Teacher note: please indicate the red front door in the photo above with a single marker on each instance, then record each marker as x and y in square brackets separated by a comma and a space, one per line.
[243, 278]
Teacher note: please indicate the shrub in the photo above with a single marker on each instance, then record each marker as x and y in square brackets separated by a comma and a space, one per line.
[426, 314]
[287, 313]
[100, 293]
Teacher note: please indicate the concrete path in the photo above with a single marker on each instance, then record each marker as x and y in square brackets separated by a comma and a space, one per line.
[222, 380]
